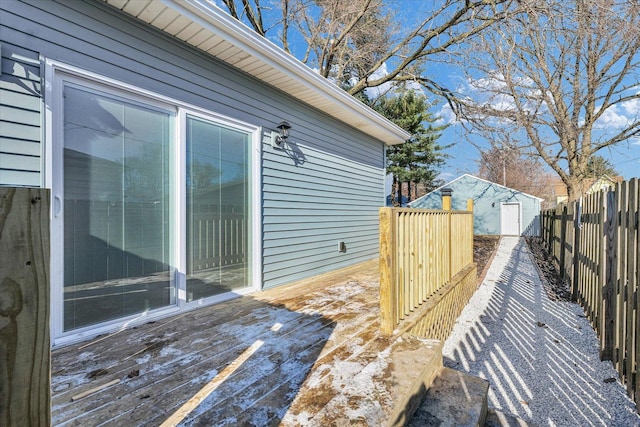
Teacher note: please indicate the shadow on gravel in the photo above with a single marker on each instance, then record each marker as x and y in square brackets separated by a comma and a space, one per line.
[540, 357]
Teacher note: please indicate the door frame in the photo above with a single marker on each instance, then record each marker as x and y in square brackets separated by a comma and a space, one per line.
[56, 74]
[503, 218]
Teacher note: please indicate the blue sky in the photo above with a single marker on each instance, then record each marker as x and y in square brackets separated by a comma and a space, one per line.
[463, 155]
[625, 156]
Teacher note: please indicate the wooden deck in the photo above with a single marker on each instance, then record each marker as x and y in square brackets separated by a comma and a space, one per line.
[308, 354]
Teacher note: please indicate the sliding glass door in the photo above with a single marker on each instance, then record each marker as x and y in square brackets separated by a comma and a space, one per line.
[152, 209]
[118, 222]
[217, 209]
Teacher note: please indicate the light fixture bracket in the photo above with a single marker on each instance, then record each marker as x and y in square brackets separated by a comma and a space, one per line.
[279, 138]
[276, 140]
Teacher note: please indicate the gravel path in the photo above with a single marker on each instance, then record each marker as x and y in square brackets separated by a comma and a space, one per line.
[540, 357]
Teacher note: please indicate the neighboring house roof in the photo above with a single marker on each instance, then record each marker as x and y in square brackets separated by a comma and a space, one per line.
[604, 182]
[466, 175]
[591, 185]
[208, 28]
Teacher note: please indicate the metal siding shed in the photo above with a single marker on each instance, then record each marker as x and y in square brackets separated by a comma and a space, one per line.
[488, 198]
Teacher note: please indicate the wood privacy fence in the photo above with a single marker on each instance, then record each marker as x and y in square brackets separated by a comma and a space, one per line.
[25, 392]
[596, 244]
[217, 240]
[421, 253]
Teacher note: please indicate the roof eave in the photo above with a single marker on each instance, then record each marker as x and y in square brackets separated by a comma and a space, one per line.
[308, 86]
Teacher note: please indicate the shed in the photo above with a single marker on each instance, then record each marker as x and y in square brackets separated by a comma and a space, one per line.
[156, 126]
[498, 210]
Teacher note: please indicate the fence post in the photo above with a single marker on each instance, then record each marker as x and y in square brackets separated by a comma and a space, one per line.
[25, 392]
[563, 240]
[608, 313]
[470, 209]
[446, 198]
[446, 206]
[630, 280]
[388, 266]
[601, 235]
[634, 277]
[577, 252]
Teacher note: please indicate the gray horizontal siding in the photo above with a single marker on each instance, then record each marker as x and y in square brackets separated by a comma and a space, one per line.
[332, 199]
[326, 187]
[20, 117]
[19, 178]
[11, 145]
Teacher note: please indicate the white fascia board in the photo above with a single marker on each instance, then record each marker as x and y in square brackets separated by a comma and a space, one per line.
[211, 17]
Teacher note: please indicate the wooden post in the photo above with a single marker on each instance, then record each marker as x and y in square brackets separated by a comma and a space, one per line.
[470, 209]
[25, 392]
[577, 252]
[609, 313]
[563, 241]
[631, 275]
[446, 206]
[388, 266]
[618, 355]
[634, 276]
[602, 265]
[446, 199]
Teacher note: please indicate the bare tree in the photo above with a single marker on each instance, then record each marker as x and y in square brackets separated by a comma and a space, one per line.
[508, 167]
[552, 80]
[353, 41]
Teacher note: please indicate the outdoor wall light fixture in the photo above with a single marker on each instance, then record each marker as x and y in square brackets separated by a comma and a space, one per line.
[278, 139]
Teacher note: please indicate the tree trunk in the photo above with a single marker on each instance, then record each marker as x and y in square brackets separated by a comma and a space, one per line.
[394, 192]
[575, 188]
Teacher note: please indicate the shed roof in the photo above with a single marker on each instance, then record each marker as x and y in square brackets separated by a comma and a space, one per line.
[205, 26]
[466, 175]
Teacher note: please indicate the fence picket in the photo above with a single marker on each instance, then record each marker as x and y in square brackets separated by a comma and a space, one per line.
[417, 257]
[619, 286]
[632, 284]
[596, 245]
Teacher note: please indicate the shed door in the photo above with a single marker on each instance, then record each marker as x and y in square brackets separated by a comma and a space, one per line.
[510, 219]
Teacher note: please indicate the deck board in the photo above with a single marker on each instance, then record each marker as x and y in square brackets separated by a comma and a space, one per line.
[306, 331]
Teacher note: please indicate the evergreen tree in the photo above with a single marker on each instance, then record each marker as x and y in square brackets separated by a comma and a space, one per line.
[416, 161]
[598, 166]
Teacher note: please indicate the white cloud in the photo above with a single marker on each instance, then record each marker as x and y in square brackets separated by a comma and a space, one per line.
[612, 117]
[375, 92]
[632, 108]
[621, 115]
[492, 92]
[446, 116]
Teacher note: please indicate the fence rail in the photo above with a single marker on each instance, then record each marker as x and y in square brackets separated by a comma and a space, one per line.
[595, 242]
[420, 252]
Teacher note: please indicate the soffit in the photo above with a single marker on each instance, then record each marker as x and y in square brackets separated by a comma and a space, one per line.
[205, 26]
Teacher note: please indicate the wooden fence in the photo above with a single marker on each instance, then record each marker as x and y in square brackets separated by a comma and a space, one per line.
[421, 252]
[217, 240]
[595, 242]
[25, 393]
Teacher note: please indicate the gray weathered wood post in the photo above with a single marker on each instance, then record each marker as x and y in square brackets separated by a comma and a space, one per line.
[25, 392]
